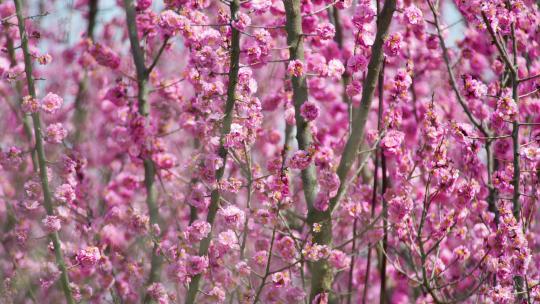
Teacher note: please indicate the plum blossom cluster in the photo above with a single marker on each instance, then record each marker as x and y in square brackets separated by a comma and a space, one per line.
[270, 151]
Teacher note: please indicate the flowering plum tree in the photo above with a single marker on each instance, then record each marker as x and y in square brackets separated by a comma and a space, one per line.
[270, 151]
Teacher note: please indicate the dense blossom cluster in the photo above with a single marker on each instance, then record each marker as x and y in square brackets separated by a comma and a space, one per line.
[271, 151]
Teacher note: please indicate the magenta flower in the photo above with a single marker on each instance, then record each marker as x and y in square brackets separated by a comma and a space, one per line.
[105, 56]
[217, 294]
[398, 208]
[474, 88]
[338, 259]
[44, 59]
[413, 15]
[88, 257]
[295, 68]
[164, 160]
[197, 231]
[170, 23]
[157, 292]
[326, 31]
[30, 104]
[52, 223]
[196, 264]
[233, 216]
[300, 160]
[65, 193]
[227, 240]
[335, 68]
[310, 111]
[55, 133]
[241, 21]
[11, 158]
[354, 88]
[392, 44]
[391, 142]
[51, 103]
[280, 279]
[143, 4]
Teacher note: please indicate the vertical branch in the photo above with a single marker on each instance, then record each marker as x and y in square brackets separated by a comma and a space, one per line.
[516, 210]
[384, 242]
[267, 267]
[345, 80]
[515, 129]
[511, 65]
[338, 38]
[249, 197]
[351, 265]
[92, 13]
[373, 200]
[423, 256]
[26, 119]
[492, 197]
[451, 74]
[225, 129]
[360, 115]
[288, 131]
[144, 110]
[374, 191]
[79, 117]
[300, 95]
[138, 58]
[40, 151]
[193, 212]
[322, 276]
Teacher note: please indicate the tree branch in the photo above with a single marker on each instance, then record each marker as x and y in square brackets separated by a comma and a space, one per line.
[144, 110]
[47, 197]
[360, 115]
[453, 81]
[79, 117]
[225, 129]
